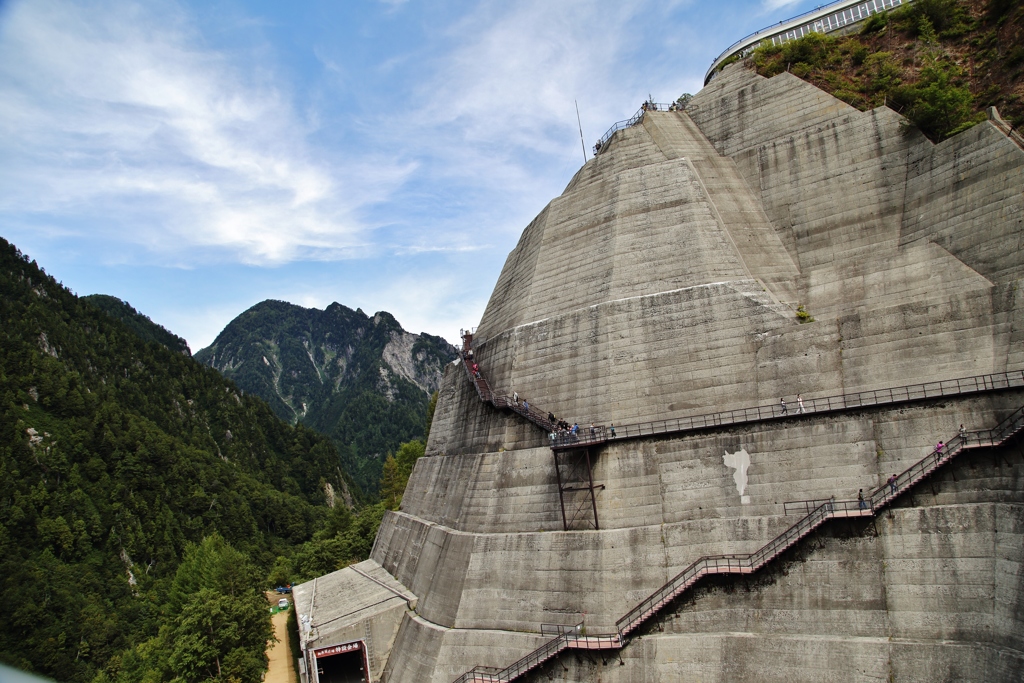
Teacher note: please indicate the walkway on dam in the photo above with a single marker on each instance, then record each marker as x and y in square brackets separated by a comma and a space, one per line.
[818, 512]
[602, 434]
[815, 512]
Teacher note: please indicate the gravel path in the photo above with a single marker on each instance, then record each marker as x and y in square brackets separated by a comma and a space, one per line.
[282, 669]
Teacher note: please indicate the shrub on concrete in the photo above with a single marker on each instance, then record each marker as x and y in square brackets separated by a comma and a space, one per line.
[940, 104]
[802, 315]
[939, 63]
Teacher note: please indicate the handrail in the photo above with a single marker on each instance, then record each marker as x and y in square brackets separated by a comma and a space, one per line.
[868, 506]
[631, 121]
[1004, 127]
[862, 399]
[483, 390]
[829, 17]
[600, 434]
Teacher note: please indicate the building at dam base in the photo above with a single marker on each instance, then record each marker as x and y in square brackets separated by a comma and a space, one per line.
[664, 283]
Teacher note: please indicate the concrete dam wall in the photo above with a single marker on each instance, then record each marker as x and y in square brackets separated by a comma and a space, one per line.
[664, 283]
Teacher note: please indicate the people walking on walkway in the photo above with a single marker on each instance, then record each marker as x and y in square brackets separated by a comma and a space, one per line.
[939, 447]
[800, 404]
[963, 433]
[892, 484]
[515, 397]
[612, 428]
[861, 503]
[782, 404]
[526, 405]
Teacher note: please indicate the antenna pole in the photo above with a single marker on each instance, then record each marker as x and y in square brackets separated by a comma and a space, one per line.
[582, 144]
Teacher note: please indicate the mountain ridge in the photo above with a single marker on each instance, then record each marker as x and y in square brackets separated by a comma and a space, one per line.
[140, 323]
[362, 380]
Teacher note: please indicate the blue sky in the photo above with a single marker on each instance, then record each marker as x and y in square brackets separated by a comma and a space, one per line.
[195, 158]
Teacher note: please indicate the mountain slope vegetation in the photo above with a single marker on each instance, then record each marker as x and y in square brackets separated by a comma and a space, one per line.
[145, 499]
[139, 323]
[940, 63]
[361, 380]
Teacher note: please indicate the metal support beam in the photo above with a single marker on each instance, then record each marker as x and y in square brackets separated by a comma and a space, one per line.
[576, 488]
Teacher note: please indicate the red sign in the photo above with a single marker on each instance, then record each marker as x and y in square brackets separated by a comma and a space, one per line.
[338, 649]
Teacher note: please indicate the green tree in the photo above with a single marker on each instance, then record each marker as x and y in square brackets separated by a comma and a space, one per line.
[940, 104]
[135, 478]
[397, 470]
[430, 416]
[392, 484]
[220, 637]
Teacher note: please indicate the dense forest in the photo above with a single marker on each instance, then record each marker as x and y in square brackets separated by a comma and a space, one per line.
[147, 501]
[361, 380]
[139, 323]
[940, 63]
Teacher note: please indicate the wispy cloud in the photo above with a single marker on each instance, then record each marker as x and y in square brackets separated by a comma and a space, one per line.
[772, 5]
[121, 109]
[493, 118]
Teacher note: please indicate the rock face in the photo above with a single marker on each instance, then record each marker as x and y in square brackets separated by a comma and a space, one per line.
[363, 381]
[664, 283]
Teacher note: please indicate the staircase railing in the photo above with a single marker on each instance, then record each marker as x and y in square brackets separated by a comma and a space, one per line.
[817, 514]
[630, 122]
[863, 399]
[600, 434]
[483, 390]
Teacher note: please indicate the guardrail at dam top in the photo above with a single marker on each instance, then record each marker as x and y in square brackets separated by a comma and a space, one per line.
[822, 19]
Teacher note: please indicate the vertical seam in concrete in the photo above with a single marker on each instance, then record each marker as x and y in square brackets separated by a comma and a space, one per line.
[721, 223]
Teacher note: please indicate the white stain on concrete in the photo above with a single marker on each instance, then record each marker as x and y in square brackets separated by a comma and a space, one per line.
[739, 461]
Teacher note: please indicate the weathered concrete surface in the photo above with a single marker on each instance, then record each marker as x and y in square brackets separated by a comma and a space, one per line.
[919, 595]
[663, 283]
[673, 479]
[358, 603]
[666, 503]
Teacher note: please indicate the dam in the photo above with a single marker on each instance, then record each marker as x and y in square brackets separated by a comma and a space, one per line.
[766, 244]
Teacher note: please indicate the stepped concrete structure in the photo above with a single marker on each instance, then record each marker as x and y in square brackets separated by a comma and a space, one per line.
[769, 241]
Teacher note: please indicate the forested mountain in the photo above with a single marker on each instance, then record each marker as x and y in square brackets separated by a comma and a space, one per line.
[363, 381]
[139, 323]
[145, 498]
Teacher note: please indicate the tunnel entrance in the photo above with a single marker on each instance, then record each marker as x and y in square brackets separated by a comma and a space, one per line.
[342, 664]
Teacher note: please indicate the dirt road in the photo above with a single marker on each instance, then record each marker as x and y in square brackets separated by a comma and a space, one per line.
[282, 668]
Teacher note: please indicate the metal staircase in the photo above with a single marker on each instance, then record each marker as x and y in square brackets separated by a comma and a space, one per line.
[483, 389]
[817, 513]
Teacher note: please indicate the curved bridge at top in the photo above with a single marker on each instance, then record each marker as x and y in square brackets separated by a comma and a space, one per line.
[824, 19]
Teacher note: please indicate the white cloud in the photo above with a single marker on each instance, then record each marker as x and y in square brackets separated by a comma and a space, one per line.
[121, 109]
[772, 5]
[493, 121]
